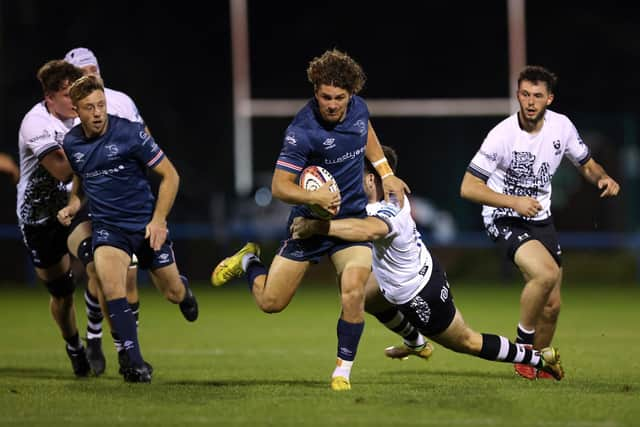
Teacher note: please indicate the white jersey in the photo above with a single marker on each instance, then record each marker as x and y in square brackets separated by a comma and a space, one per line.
[39, 195]
[515, 162]
[401, 262]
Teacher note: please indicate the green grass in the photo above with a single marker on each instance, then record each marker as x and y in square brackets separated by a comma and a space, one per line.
[237, 366]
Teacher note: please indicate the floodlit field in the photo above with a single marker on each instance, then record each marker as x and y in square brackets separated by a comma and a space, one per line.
[237, 366]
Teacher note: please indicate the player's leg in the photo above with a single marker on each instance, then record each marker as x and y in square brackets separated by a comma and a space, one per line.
[393, 319]
[541, 273]
[546, 326]
[272, 289]
[175, 288]
[461, 338]
[112, 264]
[353, 267]
[59, 282]
[47, 248]
[79, 244]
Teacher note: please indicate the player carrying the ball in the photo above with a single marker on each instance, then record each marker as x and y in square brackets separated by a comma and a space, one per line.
[332, 131]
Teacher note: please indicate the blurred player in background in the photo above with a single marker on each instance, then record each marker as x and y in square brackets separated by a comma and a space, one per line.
[110, 157]
[121, 105]
[511, 176]
[333, 131]
[42, 192]
[409, 292]
[8, 166]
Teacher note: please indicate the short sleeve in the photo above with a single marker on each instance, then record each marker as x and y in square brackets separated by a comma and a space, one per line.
[576, 150]
[387, 212]
[486, 160]
[39, 137]
[295, 151]
[145, 148]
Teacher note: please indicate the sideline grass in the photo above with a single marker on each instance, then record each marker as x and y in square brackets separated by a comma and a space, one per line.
[237, 366]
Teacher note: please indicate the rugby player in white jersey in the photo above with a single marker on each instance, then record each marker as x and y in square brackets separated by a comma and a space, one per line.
[408, 289]
[121, 105]
[511, 176]
[42, 192]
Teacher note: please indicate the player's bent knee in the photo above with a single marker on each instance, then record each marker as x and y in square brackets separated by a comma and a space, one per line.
[85, 251]
[271, 305]
[62, 286]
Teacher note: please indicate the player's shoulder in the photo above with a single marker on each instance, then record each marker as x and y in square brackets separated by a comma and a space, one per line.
[113, 95]
[37, 116]
[73, 137]
[388, 209]
[557, 119]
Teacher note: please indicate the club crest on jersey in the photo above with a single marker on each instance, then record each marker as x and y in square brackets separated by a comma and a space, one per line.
[557, 145]
[112, 151]
[144, 136]
[361, 126]
[78, 157]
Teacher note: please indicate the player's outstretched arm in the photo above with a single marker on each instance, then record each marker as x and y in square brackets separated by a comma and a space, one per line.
[595, 174]
[350, 229]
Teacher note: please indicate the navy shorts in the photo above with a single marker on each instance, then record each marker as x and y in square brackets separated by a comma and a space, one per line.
[47, 243]
[133, 242]
[511, 233]
[432, 310]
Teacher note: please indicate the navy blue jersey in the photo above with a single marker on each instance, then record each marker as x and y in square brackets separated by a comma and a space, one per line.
[339, 148]
[113, 171]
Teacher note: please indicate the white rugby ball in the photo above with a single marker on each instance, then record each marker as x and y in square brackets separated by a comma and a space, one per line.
[312, 178]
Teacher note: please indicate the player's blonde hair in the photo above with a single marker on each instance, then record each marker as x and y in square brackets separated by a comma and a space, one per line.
[84, 86]
[336, 68]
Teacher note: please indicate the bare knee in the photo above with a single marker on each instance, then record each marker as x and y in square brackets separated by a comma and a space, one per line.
[548, 278]
[270, 305]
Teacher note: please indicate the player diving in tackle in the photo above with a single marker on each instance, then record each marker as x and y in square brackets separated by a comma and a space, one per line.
[409, 289]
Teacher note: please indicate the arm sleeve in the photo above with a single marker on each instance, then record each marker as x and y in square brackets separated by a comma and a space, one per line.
[145, 148]
[486, 160]
[389, 214]
[295, 151]
[39, 137]
[576, 150]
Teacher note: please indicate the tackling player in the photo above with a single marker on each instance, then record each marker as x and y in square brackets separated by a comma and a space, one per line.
[409, 288]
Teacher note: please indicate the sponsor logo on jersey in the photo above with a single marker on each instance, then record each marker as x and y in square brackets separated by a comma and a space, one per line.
[290, 139]
[144, 136]
[492, 157]
[349, 155]
[44, 135]
[101, 172]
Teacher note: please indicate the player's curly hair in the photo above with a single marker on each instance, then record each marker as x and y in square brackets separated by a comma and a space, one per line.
[537, 73]
[336, 68]
[56, 74]
[84, 87]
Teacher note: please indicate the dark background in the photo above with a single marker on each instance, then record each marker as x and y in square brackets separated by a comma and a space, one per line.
[174, 61]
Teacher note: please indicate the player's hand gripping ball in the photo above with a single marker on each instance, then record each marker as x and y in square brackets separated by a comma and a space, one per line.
[312, 178]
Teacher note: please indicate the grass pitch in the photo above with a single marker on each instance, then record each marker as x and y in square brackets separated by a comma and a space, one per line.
[237, 366]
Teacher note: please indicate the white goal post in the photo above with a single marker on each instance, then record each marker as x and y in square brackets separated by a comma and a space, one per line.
[245, 107]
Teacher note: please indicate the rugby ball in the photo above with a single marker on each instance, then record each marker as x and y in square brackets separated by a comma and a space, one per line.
[312, 178]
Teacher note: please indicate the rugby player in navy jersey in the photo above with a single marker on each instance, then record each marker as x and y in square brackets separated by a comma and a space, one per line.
[109, 156]
[332, 131]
